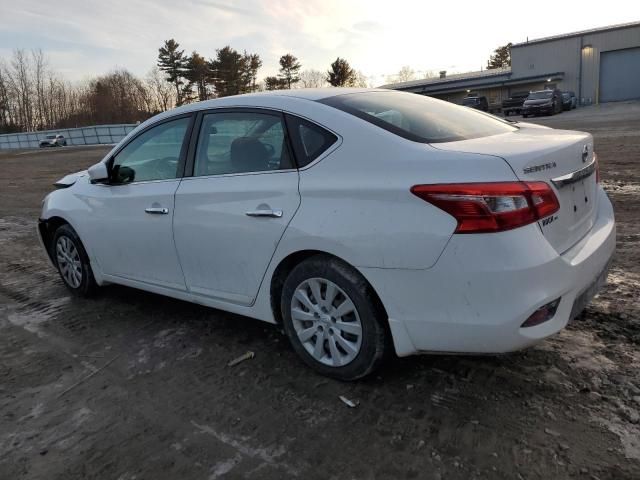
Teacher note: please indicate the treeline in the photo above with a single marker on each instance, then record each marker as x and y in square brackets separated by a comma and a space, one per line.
[231, 73]
[35, 97]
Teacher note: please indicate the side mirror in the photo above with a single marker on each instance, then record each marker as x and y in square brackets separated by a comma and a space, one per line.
[99, 172]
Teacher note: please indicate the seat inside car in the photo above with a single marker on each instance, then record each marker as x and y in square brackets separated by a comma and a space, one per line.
[248, 154]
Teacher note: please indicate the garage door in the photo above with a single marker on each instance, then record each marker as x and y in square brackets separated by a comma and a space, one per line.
[619, 75]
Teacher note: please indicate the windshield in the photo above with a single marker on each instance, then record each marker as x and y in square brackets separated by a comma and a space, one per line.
[540, 95]
[417, 117]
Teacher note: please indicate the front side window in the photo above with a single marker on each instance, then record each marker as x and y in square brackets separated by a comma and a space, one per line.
[241, 142]
[152, 155]
[418, 117]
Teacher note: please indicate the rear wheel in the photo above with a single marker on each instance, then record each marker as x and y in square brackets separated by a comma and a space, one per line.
[72, 262]
[334, 321]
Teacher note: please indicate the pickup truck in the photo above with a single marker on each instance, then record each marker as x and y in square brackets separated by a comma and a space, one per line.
[514, 103]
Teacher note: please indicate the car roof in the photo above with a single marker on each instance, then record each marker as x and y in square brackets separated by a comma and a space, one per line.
[261, 100]
[304, 93]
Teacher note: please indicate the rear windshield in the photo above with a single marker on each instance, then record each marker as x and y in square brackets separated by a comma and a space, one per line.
[470, 101]
[50, 136]
[540, 95]
[417, 117]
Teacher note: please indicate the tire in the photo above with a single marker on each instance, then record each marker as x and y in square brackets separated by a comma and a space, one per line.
[67, 245]
[347, 346]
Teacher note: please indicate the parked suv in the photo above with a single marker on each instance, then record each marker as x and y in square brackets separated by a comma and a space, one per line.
[514, 103]
[545, 102]
[569, 100]
[56, 140]
[479, 103]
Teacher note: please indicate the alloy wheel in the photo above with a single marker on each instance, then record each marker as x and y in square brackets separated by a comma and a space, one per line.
[326, 322]
[69, 261]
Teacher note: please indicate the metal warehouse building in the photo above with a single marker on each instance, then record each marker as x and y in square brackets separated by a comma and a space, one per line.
[599, 65]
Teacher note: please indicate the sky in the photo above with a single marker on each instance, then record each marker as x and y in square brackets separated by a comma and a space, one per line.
[84, 38]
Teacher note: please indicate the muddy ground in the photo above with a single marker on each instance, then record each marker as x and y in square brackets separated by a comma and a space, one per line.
[132, 385]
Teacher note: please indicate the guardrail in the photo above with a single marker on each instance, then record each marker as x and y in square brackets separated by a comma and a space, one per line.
[95, 135]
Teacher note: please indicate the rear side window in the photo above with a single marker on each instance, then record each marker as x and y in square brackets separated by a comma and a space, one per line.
[308, 139]
[419, 118]
[241, 142]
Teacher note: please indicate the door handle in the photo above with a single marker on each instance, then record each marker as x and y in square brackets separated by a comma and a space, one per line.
[157, 210]
[264, 213]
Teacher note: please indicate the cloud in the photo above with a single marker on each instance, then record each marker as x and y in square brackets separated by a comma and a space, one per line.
[368, 26]
[224, 7]
[91, 37]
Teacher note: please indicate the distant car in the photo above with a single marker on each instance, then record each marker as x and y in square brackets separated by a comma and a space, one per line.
[546, 102]
[569, 101]
[56, 140]
[514, 103]
[362, 221]
[479, 103]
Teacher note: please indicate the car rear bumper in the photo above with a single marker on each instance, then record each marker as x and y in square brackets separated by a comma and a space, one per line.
[485, 286]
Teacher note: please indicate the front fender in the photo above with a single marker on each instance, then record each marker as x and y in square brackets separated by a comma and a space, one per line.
[63, 206]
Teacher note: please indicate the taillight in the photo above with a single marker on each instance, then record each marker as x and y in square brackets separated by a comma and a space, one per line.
[491, 207]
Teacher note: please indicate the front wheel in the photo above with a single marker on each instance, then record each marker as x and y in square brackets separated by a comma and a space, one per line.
[333, 319]
[72, 262]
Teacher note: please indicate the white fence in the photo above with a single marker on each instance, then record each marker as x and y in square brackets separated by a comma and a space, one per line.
[99, 134]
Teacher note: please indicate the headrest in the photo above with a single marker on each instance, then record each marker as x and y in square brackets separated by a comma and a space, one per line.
[248, 154]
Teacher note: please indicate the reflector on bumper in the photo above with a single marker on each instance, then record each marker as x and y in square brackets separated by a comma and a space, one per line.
[541, 315]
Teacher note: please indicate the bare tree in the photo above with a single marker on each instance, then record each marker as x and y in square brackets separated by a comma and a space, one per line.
[161, 91]
[313, 79]
[405, 74]
[360, 80]
[21, 85]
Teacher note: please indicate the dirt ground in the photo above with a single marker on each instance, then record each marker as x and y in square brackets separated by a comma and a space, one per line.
[132, 385]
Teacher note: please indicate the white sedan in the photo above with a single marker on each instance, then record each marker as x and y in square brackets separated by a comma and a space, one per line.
[365, 222]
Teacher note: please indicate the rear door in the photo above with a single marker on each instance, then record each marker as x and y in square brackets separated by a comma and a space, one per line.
[232, 212]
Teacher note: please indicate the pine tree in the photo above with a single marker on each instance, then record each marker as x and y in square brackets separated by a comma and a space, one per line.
[289, 70]
[274, 83]
[172, 62]
[501, 57]
[341, 74]
[199, 74]
[252, 65]
[231, 72]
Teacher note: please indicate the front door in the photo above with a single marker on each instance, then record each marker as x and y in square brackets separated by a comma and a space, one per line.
[130, 218]
[231, 214]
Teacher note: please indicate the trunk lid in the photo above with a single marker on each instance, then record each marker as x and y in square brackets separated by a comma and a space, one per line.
[561, 158]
